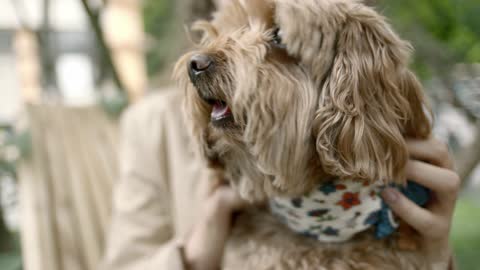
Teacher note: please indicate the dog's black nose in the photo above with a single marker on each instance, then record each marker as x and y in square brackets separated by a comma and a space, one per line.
[199, 63]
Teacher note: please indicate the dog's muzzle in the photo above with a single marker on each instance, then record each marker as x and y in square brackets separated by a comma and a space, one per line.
[200, 70]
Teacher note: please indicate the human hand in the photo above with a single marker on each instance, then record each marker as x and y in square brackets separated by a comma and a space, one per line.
[431, 166]
[205, 246]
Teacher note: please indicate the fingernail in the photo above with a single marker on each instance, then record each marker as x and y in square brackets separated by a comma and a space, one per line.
[390, 195]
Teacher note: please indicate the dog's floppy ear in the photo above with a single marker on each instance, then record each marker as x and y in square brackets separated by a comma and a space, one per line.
[369, 101]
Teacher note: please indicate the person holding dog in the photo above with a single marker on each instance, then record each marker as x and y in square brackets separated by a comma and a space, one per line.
[168, 214]
[171, 213]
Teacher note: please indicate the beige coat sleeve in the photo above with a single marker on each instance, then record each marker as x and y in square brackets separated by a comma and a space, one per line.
[141, 231]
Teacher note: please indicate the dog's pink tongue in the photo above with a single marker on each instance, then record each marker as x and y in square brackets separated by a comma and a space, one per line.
[220, 110]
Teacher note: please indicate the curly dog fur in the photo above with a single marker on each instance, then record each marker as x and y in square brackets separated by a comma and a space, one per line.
[333, 98]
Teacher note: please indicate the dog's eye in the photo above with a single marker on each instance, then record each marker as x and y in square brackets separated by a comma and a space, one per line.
[276, 40]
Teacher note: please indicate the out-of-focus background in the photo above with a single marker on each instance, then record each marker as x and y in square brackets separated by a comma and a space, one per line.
[68, 68]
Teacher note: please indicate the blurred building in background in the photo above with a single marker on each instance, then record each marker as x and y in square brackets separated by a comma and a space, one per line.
[66, 52]
[72, 63]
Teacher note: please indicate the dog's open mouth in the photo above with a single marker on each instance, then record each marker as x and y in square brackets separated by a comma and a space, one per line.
[220, 110]
[221, 114]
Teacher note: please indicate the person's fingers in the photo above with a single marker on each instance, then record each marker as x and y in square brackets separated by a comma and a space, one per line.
[422, 220]
[443, 182]
[432, 150]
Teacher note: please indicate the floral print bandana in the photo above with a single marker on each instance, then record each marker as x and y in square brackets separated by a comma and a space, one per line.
[337, 210]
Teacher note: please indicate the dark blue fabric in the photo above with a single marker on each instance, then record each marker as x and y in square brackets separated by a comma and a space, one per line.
[415, 192]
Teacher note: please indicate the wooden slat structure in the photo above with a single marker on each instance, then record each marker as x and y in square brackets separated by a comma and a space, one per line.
[66, 186]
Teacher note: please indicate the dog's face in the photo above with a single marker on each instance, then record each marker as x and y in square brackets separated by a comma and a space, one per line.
[281, 93]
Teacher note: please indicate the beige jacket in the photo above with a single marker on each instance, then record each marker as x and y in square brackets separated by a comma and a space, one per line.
[156, 196]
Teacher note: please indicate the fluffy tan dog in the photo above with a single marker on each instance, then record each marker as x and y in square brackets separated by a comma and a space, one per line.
[284, 93]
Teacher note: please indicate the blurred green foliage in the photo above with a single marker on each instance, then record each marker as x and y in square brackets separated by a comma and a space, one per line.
[159, 26]
[13, 146]
[114, 104]
[466, 234]
[443, 32]
[11, 259]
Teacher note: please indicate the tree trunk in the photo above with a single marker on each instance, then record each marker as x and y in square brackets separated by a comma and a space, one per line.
[47, 57]
[93, 17]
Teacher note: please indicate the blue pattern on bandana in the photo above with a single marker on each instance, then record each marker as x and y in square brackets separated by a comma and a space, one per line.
[384, 226]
